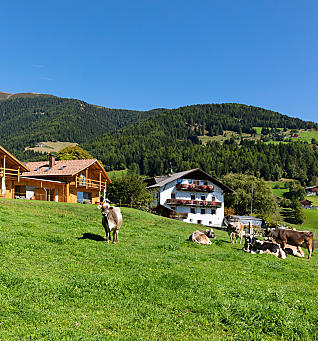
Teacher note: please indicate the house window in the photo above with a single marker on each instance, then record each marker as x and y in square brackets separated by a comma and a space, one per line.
[192, 210]
[199, 221]
[173, 195]
[20, 192]
[213, 211]
[192, 197]
[197, 182]
[82, 179]
[210, 222]
[213, 198]
[202, 210]
[191, 220]
[205, 183]
[173, 208]
[203, 197]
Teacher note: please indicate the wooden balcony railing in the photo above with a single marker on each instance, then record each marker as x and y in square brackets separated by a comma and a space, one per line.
[89, 183]
[195, 188]
[178, 215]
[184, 202]
[8, 173]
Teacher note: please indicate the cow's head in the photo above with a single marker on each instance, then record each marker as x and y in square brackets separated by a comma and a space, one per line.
[210, 233]
[104, 208]
[267, 232]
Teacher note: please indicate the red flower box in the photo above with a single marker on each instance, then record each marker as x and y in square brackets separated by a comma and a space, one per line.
[203, 187]
[210, 188]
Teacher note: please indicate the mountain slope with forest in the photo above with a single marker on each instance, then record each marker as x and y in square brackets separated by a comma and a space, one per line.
[150, 141]
[149, 146]
[28, 120]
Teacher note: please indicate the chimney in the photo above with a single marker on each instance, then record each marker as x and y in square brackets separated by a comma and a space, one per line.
[51, 161]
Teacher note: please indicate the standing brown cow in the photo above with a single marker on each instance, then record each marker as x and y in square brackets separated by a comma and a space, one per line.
[296, 238]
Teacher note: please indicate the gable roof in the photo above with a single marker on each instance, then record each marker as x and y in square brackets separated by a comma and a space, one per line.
[62, 168]
[163, 180]
[14, 159]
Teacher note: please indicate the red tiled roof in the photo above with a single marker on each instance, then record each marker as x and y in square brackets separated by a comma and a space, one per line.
[71, 167]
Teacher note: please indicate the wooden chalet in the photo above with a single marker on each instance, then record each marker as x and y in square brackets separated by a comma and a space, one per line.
[73, 181]
[10, 173]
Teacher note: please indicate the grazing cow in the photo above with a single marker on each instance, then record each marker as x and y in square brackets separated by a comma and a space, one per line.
[291, 237]
[202, 237]
[235, 230]
[255, 246]
[112, 221]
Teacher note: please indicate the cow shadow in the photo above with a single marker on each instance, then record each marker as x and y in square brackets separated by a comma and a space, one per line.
[92, 236]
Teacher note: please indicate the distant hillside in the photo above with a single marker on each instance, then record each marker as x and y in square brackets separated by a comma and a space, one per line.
[172, 137]
[7, 95]
[148, 141]
[25, 121]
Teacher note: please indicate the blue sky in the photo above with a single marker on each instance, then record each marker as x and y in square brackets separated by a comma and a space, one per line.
[149, 54]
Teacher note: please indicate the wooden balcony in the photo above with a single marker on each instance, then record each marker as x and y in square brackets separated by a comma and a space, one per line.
[178, 215]
[204, 203]
[195, 188]
[89, 183]
[12, 174]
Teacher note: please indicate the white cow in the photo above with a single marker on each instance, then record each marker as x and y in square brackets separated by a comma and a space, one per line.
[112, 221]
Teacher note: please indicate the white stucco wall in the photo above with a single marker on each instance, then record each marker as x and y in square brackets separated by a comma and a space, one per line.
[208, 218]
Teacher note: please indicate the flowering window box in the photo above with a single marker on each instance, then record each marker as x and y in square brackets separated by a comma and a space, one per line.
[192, 186]
[203, 187]
[210, 188]
[181, 201]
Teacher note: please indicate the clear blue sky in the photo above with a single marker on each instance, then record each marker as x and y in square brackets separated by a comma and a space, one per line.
[145, 54]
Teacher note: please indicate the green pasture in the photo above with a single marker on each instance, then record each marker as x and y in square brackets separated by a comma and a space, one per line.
[117, 173]
[313, 199]
[307, 135]
[59, 280]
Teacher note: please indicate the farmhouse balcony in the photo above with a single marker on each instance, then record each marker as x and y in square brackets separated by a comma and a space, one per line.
[89, 183]
[13, 174]
[178, 215]
[195, 188]
[183, 202]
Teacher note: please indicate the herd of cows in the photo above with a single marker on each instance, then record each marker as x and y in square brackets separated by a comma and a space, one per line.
[277, 242]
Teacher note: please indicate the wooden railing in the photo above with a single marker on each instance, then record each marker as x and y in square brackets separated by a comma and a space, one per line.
[10, 173]
[178, 215]
[89, 183]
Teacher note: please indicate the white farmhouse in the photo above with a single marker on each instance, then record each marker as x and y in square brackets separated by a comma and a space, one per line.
[192, 196]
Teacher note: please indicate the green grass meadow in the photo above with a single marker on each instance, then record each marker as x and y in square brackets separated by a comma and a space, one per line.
[59, 280]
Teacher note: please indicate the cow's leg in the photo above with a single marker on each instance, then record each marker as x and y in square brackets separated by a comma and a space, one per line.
[241, 237]
[114, 237]
[107, 236]
[309, 248]
[117, 236]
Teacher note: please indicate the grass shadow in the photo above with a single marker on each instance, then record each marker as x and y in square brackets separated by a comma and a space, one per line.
[92, 236]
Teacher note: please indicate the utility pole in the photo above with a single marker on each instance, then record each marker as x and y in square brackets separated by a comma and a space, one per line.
[252, 200]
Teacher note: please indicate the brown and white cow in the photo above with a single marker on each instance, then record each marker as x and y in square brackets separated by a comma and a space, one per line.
[291, 237]
[112, 221]
[202, 237]
[254, 246]
[235, 230]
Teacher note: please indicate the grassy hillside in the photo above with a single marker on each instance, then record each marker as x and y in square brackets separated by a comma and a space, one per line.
[50, 147]
[60, 281]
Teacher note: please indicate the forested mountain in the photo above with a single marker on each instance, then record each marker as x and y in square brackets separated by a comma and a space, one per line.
[149, 141]
[27, 120]
[150, 145]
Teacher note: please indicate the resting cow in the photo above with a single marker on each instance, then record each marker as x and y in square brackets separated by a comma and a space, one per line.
[235, 230]
[291, 237]
[202, 237]
[255, 246]
[112, 221]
